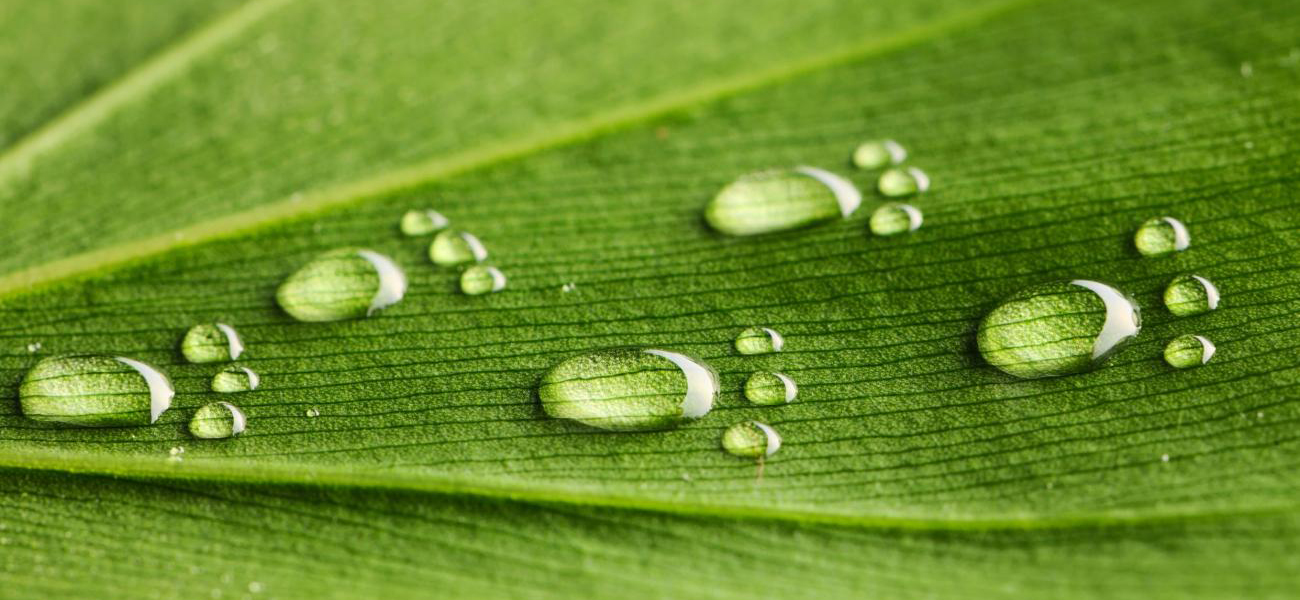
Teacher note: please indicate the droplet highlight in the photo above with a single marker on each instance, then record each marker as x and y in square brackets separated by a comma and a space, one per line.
[759, 340]
[348, 283]
[751, 439]
[95, 391]
[451, 247]
[1186, 351]
[895, 218]
[1160, 236]
[769, 389]
[877, 154]
[780, 200]
[218, 420]
[1189, 295]
[235, 379]
[211, 342]
[629, 389]
[898, 182]
[482, 279]
[422, 222]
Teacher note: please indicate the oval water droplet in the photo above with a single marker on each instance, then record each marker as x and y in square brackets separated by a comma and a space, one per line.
[878, 153]
[482, 279]
[781, 199]
[422, 222]
[629, 389]
[1189, 295]
[312, 413]
[1161, 235]
[1058, 328]
[767, 388]
[751, 439]
[218, 420]
[234, 379]
[347, 283]
[95, 391]
[895, 218]
[211, 342]
[898, 182]
[451, 247]
[1189, 351]
[759, 340]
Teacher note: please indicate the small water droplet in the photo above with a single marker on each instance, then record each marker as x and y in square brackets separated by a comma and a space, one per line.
[176, 450]
[898, 182]
[422, 222]
[878, 153]
[1247, 69]
[95, 391]
[1161, 235]
[751, 439]
[769, 388]
[1189, 351]
[482, 279]
[759, 340]
[452, 247]
[1164, 458]
[780, 200]
[34, 347]
[1189, 295]
[629, 389]
[235, 379]
[211, 342]
[568, 287]
[1058, 328]
[895, 218]
[312, 413]
[218, 420]
[255, 586]
[347, 283]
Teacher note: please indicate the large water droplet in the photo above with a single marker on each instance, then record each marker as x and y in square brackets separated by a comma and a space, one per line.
[347, 283]
[482, 279]
[95, 391]
[903, 182]
[422, 222]
[759, 340]
[781, 199]
[895, 218]
[235, 379]
[1189, 351]
[767, 388]
[751, 439]
[1161, 235]
[451, 247]
[217, 420]
[1058, 328]
[211, 342]
[629, 389]
[1189, 295]
[878, 153]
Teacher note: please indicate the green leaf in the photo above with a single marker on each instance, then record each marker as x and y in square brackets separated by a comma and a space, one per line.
[909, 467]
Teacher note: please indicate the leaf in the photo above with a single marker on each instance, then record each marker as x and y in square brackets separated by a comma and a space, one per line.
[1050, 131]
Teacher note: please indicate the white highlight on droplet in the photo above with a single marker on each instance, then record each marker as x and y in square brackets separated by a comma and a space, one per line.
[1181, 238]
[1207, 349]
[498, 279]
[791, 390]
[846, 194]
[897, 153]
[237, 420]
[778, 342]
[773, 438]
[254, 379]
[701, 384]
[913, 214]
[1122, 321]
[160, 388]
[392, 281]
[922, 180]
[1211, 292]
[476, 247]
[232, 338]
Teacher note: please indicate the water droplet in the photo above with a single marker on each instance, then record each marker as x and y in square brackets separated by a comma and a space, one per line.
[1247, 69]
[895, 218]
[1161, 235]
[347, 283]
[1058, 328]
[1188, 351]
[751, 439]
[34, 347]
[1164, 458]
[767, 388]
[217, 420]
[235, 379]
[629, 389]
[451, 247]
[176, 451]
[781, 199]
[312, 413]
[568, 287]
[255, 586]
[759, 340]
[1189, 295]
[211, 342]
[903, 182]
[95, 391]
[878, 153]
[422, 222]
[481, 279]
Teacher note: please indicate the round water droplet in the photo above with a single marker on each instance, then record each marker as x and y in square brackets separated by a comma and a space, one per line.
[312, 413]
[903, 182]
[422, 222]
[878, 153]
[1058, 328]
[781, 199]
[895, 218]
[34, 347]
[217, 420]
[347, 283]
[482, 279]
[759, 340]
[211, 342]
[767, 389]
[1189, 295]
[1161, 235]
[451, 247]
[629, 389]
[751, 439]
[1189, 351]
[95, 391]
[235, 379]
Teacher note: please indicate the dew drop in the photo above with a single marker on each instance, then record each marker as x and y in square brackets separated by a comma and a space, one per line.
[1161, 235]
[482, 279]
[769, 388]
[422, 222]
[629, 389]
[751, 439]
[1189, 295]
[451, 247]
[312, 413]
[218, 420]
[235, 379]
[347, 283]
[780, 200]
[1058, 328]
[759, 340]
[211, 342]
[1189, 350]
[34, 347]
[895, 218]
[898, 182]
[878, 153]
[95, 391]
